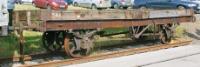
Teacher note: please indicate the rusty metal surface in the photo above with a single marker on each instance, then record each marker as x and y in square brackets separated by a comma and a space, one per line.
[94, 24]
[92, 19]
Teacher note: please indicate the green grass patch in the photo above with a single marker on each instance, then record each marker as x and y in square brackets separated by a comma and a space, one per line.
[9, 46]
[33, 42]
[180, 31]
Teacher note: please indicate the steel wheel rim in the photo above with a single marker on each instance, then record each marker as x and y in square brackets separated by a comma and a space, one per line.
[165, 36]
[70, 48]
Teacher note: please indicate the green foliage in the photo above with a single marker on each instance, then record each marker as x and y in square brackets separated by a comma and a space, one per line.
[33, 42]
[180, 31]
[9, 45]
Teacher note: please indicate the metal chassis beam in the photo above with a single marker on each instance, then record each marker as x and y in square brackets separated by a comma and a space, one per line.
[96, 24]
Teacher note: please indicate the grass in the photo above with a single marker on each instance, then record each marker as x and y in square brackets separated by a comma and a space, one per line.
[10, 46]
[33, 42]
[180, 31]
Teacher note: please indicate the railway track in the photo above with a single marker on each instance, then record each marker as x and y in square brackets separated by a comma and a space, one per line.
[113, 54]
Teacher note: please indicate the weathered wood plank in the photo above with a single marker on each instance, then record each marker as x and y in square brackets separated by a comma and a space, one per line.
[112, 14]
[39, 15]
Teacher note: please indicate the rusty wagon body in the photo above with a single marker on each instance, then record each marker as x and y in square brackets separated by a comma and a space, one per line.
[75, 29]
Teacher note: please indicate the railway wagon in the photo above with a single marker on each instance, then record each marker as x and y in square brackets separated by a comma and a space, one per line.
[74, 30]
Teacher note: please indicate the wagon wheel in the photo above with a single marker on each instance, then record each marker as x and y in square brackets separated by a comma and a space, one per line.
[71, 44]
[165, 36]
[51, 41]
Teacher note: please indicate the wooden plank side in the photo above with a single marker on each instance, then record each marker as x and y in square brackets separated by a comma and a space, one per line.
[34, 14]
[44, 15]
[102, 14]
[112, 14]
[169, 13]
[92, 15]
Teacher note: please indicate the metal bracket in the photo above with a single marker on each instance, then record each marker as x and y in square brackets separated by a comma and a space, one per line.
[143, 30]
[83, 41]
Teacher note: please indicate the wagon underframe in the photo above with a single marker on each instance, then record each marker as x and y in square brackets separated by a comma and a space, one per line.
[75, 29]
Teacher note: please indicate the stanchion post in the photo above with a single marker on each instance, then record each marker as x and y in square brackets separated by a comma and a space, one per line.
[18, 27]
